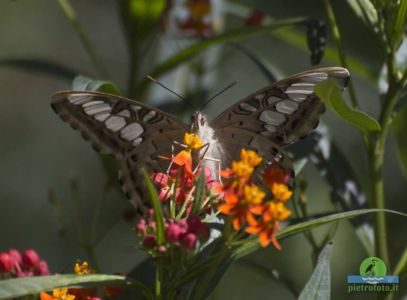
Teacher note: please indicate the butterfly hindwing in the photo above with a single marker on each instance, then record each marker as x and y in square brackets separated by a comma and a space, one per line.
[285, 111]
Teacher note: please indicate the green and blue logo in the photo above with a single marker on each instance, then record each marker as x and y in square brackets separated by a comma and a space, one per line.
[373, 277]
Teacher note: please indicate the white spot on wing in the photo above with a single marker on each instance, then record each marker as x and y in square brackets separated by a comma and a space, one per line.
[115, 123]
[124, 113]
[247, 107]
[136, 108]
[148, 116]
[298, 97]
[314, 77]
[91, 103]
[102, 116]
[78, 99]
[137, 141]
[131, 131]
[272, 117]
[287, 106]
[97, 108]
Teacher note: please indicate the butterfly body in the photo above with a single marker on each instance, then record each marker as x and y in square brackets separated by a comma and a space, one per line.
[137, 134]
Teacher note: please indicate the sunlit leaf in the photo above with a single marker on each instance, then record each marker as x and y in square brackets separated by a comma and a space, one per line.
[12, 288]
[158, 211]
[319, 285]
[83, 83]
[328, 91]
[399, 130]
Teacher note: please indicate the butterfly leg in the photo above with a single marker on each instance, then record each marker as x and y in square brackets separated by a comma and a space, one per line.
[202, 157]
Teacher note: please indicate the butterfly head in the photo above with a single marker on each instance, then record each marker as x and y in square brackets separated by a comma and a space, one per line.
[198, 122]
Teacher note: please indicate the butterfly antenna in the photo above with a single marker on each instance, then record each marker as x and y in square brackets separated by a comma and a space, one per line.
[217, 94]
[171, 91]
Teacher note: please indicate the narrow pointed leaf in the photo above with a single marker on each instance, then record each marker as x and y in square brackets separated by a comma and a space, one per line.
[12, 288]
[158, 211]
[199, 193]
[319, 285]
[329, 93]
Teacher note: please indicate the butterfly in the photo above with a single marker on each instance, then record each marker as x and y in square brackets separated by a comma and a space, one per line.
[137, 134]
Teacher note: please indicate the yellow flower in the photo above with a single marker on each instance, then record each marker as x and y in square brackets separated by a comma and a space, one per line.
[83, 269]
[277, 212]
[242, 169]
[62, 294]
[250, 157]
[193, 141]
[253, 194]
[281, 192]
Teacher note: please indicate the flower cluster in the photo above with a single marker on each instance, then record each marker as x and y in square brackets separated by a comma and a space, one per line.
[29, 263]
[247, 203]
[183, 228]
[183, 233]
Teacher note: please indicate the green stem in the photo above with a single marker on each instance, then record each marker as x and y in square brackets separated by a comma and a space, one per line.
[342, 57]
[159, 279]
[96, 61]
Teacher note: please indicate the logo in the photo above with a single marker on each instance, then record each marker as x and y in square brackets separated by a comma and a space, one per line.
[373, 278]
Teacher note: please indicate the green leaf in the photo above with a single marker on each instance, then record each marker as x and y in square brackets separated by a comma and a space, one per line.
[365, 10]
[319, 285]
[83, 83]
[12, 288]
[230, 36]
[199, 194]
[399, 129]
[253, 244]
[328, 91]
[39, 65]
[158, 211]
[400, 22]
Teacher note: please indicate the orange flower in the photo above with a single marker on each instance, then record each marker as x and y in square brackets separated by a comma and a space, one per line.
[57, 294]
[241, 169]
[250, 157]
[253, 194]
[193, 141]
[281, 192]
[267, 233]
[83, 269]
[276, 211]
[238, 209]
[184, 159]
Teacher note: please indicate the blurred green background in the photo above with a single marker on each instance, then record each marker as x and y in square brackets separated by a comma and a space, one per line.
[39, 152]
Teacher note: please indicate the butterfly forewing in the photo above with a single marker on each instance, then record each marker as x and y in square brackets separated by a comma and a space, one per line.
[132, 132]
[285, 111]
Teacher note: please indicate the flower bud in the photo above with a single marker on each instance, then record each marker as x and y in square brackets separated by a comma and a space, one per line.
[41, 269]
[15, 256]
[6, 262]
[189, 241]
[173, 232]
[30, 258]
[149, 241]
